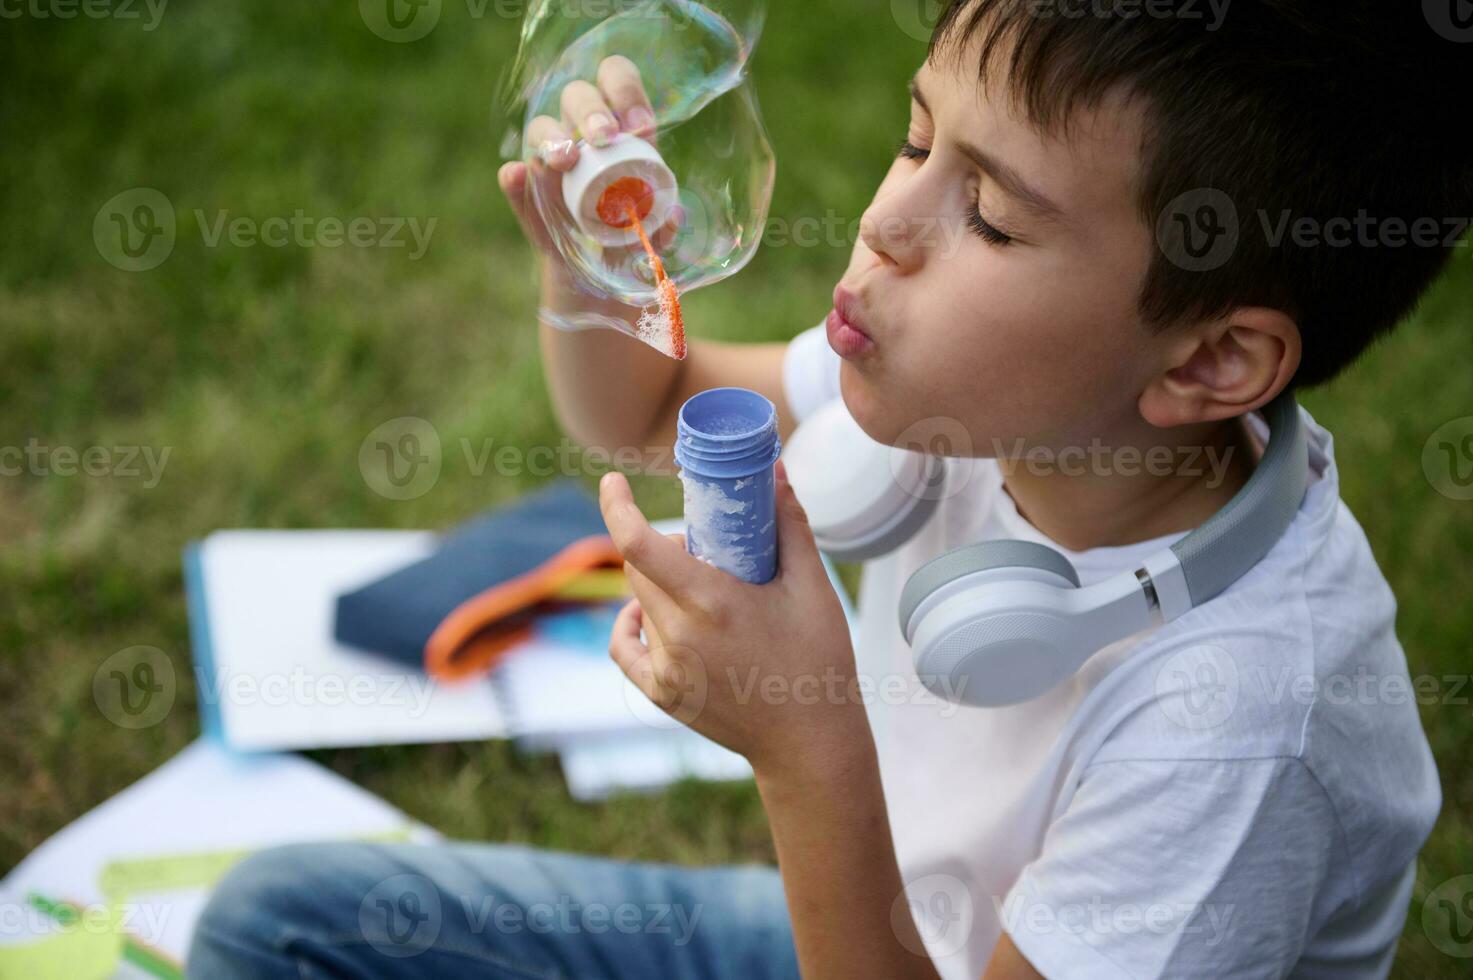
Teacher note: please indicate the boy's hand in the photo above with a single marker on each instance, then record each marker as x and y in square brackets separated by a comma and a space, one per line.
[766, 670]
[617, 103]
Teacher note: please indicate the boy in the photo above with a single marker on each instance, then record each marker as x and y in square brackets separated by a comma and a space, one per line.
[1178, 808]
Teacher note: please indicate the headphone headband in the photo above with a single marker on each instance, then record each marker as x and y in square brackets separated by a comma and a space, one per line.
[1000, 622]
[1237, 537]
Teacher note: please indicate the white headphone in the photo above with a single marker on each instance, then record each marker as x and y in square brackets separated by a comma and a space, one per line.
[1002, 622]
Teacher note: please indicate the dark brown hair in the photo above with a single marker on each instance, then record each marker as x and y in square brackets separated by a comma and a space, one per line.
[1328, 130]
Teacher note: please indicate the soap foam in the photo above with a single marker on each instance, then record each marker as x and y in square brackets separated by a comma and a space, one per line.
[708, 508]
[656, 328]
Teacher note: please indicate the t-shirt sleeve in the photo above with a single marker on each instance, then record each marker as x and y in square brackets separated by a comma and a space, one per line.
[810, 373]
[1178, 869]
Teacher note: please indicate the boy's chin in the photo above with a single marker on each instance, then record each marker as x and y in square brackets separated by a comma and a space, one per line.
[881, 411]
[894, 416]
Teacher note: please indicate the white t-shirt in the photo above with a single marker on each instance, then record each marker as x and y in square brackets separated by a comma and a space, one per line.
[1239, 793]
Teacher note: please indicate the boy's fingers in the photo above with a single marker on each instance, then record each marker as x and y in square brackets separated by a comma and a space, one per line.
[797, 551]
[512, 177]
[661, 560]
[625, 646]
[650, 595]
[620, 82]
[585, 111]
[554, 144]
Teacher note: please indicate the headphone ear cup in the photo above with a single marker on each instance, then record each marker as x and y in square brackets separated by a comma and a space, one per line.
[990, 624]
[986, 556]
[864, 499]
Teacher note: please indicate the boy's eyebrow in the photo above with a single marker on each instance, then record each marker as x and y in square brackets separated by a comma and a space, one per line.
[915, 93]
[1010, 182]
[1006, 177]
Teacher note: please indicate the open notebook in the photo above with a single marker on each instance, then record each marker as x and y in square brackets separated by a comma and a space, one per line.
[271, 677]
[117, 892]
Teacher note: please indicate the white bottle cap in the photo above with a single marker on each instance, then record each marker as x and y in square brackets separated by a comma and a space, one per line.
[599, 167]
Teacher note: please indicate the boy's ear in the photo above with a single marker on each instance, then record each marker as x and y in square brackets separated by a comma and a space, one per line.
[1224, 369]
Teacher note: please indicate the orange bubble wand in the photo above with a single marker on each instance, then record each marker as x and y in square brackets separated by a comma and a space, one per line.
[627, 202]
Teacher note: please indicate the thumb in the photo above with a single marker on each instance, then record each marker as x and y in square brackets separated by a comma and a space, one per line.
[513, 178]
[797, 552]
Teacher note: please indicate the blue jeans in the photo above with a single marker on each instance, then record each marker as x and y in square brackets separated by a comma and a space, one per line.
[486, 910]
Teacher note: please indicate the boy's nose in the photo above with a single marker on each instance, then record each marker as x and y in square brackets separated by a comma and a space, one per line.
[890, 236]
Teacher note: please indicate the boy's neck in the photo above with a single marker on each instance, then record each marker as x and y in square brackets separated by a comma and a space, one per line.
[1152, 484]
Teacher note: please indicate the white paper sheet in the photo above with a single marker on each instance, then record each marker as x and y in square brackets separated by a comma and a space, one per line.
[282, 682]
[203, 802]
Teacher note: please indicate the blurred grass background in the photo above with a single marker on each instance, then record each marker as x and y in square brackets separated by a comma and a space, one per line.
[262, 369]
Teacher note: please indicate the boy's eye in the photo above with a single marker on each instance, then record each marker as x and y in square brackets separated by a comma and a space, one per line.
[985, 229]
[912, 152]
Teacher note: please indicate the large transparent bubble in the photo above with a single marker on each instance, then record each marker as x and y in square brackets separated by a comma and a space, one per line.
[693, 59]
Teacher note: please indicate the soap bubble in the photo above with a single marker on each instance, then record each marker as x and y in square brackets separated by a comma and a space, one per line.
[693, 60]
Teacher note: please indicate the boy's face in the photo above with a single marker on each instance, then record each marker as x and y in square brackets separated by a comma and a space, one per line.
[997, 277]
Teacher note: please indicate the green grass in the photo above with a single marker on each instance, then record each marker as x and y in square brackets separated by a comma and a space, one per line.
[263, 369]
